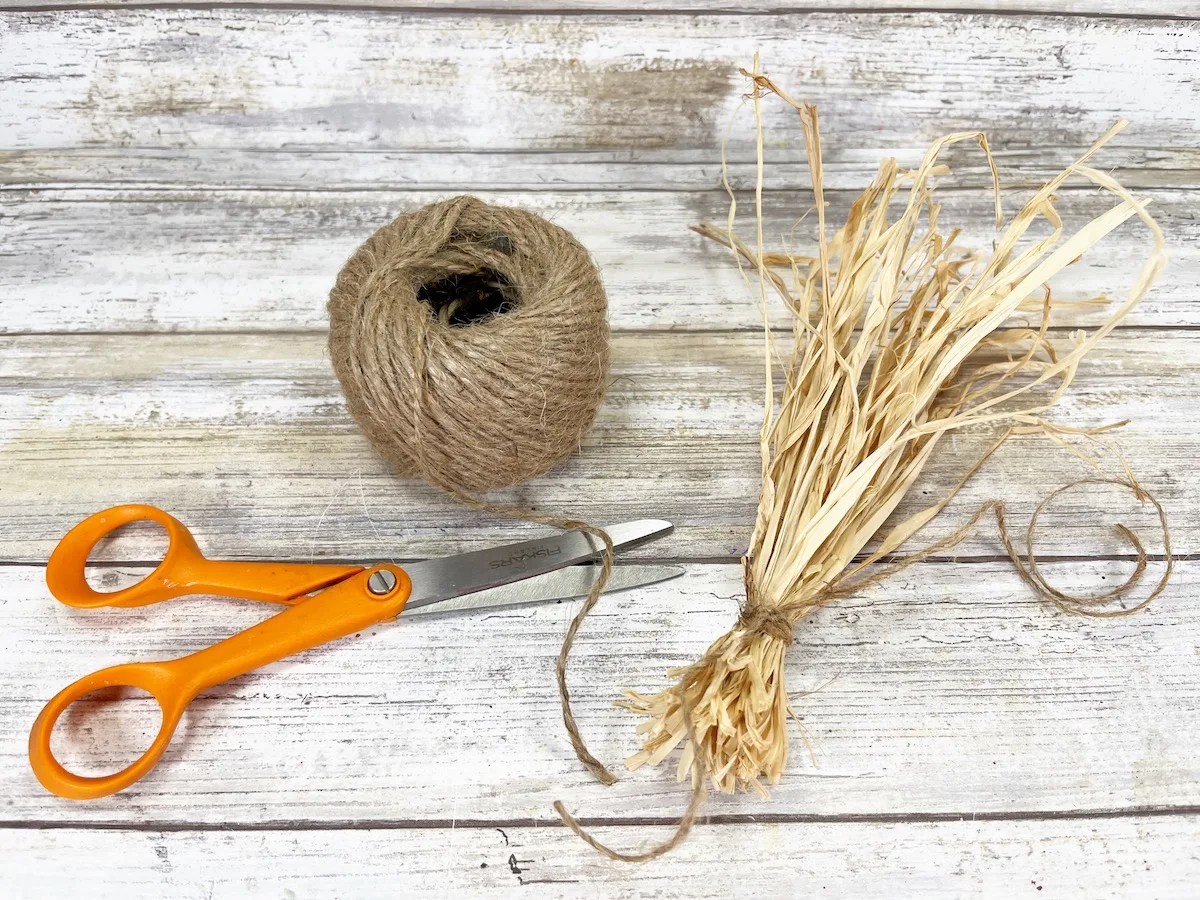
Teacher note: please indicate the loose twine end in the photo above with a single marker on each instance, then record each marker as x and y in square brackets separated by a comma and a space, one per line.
[603, 774]
[686, 821]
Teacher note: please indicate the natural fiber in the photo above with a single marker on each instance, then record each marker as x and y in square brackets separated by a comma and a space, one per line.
[472, 345]
[898, 338]
[471, 399]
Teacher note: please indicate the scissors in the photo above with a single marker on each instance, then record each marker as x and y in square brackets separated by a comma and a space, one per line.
[322, 603]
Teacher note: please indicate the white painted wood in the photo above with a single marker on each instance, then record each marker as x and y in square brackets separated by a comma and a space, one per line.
[632, 168]
[246, 437]
[207, 170]
[148, 260]
[242, 79]
[1139, 856]
[1177, 9]
[948, 690]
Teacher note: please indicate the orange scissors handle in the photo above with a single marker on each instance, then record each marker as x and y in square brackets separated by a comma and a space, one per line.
[344, 608]
[184, 569]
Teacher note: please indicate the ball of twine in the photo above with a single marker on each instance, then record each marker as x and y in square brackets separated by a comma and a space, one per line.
[471, 342]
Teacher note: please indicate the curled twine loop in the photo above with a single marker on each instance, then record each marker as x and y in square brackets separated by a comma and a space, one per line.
[1086, 605]
[1027, 567]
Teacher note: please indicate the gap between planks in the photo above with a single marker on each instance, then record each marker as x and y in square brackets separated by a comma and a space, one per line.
[1133, 812]
[171, 170]
[672, 560]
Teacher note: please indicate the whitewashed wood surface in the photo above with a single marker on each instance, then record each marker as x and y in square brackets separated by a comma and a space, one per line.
[1167, 9]
[178, 187]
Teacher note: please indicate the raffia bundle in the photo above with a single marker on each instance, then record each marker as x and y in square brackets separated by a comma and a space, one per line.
[899, 338]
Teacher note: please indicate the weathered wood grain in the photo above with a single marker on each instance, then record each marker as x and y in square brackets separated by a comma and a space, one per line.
[631, 169]
[949, 690]
[150, 260]
[1084, 859]
[1173, 9]
[240, 79]
[207, 170]
[246, 437]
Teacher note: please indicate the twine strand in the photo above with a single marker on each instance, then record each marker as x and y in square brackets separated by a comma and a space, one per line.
[477, 399]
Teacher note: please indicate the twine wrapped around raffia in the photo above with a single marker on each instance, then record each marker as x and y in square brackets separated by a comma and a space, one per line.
[899, 338]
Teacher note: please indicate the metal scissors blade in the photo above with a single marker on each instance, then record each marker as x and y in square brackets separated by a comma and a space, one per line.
[321, 603]
[436, 580]
[565, 584]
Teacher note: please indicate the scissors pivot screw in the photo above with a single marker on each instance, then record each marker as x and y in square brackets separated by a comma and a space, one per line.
[381, 582]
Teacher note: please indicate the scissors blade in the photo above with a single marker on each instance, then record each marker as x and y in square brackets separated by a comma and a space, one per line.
[565, 584]
[435, 580]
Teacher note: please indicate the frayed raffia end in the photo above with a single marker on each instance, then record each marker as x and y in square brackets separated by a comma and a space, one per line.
[739, 705]
[740, 700]
[737, 690]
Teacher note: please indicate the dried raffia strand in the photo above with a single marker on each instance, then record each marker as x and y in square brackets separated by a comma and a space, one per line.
[909, 339]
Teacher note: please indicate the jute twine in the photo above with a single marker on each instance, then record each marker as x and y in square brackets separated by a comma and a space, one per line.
[471, 398]
[472, 344]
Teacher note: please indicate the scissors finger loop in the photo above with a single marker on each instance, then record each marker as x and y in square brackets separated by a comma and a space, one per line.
[65, 574]
[157, 679]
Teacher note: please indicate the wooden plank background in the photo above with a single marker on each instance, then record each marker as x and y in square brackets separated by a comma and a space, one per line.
[1169, 9]
[253, 259]
[178, 187]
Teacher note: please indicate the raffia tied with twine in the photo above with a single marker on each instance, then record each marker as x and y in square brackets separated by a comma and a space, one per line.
[899, 338]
